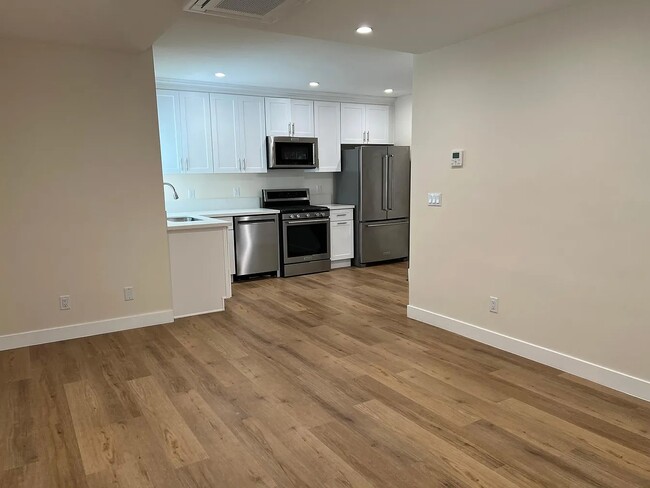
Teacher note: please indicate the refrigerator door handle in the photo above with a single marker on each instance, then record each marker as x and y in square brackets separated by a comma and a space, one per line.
[389, 158]
[384, 182]
[388, 224]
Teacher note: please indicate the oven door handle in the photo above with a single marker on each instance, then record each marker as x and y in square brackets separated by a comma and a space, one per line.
[299, 222]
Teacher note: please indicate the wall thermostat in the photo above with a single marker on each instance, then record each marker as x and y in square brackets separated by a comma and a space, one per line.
[457, 158]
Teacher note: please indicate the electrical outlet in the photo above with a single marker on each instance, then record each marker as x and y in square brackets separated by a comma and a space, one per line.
[236, 191]
[494, 305]
[319, 188]
[191, 193]
[64, 302]
[434, 199]
[128, 294]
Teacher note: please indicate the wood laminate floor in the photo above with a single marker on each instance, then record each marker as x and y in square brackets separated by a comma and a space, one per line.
[316, 381]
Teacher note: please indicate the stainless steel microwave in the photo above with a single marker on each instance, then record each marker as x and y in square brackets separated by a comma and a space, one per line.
[292, 152]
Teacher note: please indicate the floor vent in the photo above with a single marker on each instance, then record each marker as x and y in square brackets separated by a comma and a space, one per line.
[267, 11]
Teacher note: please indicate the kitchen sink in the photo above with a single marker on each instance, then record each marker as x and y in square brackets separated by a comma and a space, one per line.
[182, 219]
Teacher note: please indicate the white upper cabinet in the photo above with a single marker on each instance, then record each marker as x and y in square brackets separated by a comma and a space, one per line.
[252, 139]
[378, 124]
[365, 124]
[238, 140]
[278, 116]
[327, 118]
[169, 121]
[185, 132]
[353, 123]
[302, 118]
[196, 132]
[288, 117]
[225, 132]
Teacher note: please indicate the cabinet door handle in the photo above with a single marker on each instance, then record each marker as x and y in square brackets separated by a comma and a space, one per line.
[244, 161]
[368, 137]
[293, 129]
[341, 215]
[289, 128]
[343, 223]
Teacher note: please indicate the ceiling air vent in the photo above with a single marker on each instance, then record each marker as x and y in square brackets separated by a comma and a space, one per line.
[267, 11]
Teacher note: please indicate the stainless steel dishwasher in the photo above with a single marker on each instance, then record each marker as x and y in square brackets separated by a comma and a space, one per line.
[256, 245]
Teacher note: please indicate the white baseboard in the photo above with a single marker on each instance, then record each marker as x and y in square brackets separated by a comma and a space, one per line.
[223, 309]
[616, 380]
[55, 334]
[343, 263]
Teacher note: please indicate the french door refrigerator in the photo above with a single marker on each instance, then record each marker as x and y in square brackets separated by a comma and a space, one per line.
[377, 181]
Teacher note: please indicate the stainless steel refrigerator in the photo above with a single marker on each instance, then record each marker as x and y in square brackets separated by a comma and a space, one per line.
[377, 181]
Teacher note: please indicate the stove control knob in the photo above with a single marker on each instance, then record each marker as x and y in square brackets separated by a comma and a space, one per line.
[307, 215]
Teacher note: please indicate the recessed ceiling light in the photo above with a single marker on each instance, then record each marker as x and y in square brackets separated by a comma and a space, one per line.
[364, 29]
[220, 75]
[314, 84]
[388, 91]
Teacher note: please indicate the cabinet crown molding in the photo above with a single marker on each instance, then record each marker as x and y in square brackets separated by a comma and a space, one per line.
[184, 85]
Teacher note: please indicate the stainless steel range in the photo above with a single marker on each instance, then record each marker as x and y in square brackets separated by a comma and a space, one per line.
[304, 232]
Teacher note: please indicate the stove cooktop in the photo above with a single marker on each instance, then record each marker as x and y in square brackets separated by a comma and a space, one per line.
[300, 209]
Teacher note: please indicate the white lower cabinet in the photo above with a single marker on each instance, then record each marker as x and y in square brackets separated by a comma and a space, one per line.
[341, 237]
[199, 266]
[231, 250]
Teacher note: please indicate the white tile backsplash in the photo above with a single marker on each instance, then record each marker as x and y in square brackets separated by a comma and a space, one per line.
[215, 191]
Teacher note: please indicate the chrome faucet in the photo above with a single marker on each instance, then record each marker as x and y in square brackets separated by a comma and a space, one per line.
[173, 189]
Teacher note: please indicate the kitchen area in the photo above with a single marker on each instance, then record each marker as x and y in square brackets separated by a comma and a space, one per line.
[334, 191]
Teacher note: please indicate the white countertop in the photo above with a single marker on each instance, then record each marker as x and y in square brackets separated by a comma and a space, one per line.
[202, 223]
[236, 212]
[338, 206]
[210, 218]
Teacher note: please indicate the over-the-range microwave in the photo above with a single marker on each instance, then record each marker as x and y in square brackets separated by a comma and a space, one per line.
[292, 152]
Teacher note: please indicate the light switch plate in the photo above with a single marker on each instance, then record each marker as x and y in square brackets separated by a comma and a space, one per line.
[434, 199]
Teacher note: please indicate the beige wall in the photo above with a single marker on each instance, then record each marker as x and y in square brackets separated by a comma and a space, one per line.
[403, 120]
[80, 186]
[552, 211]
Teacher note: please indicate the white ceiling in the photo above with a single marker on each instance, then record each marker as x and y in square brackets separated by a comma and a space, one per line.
[414, 26]
[269, 55]
[196, 47]
[116, 24]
